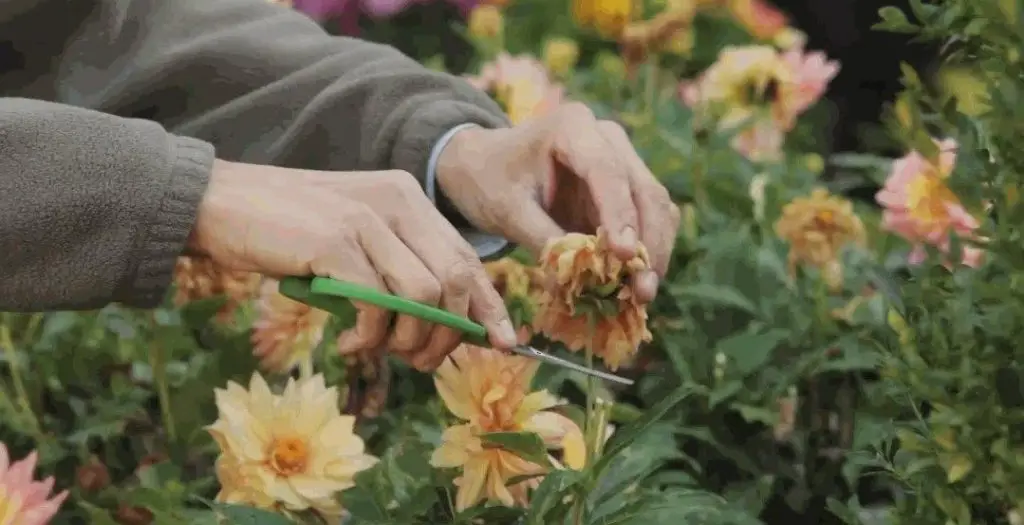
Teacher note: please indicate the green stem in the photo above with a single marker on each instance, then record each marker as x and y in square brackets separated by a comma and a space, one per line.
[19, 382]
[651, 87]
[30, 329]
[306, 367]
[158, 363]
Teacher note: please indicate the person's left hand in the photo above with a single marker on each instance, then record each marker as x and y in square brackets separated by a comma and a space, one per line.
[566, 171]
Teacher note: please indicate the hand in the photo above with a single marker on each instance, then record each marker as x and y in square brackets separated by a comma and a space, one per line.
[566, 171]
[377, 229]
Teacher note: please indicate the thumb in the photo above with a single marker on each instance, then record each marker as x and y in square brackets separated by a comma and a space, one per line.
[531, 226]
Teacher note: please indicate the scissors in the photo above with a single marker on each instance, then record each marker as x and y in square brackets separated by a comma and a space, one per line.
[335, 297]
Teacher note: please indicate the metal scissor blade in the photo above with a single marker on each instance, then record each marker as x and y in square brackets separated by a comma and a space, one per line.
[531, 352]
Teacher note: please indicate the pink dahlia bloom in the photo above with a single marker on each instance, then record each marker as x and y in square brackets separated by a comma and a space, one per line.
[920, 207]
[24, 501]
[763, 88]
[321, 9]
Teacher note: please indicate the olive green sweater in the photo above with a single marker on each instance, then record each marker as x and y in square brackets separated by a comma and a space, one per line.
[111, 113]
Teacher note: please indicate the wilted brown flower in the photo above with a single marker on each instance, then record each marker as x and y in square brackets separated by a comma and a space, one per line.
[784, 427]
[590, 302]
[153, 458]
[200, 278]
[92, 476]
[641, 38]
[127, 515]
[817, 228]
[285, 332]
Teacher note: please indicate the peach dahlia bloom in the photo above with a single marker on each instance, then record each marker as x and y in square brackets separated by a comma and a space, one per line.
[196, 279]
[490, 392]
[521, 85]
[920, 207]
[285, 332]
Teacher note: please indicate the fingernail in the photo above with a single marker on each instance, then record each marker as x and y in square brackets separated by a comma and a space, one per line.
[647, 285]
[628, 237]
[506, 333]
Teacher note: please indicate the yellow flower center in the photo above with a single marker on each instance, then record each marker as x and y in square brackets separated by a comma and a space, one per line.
[927, 199]
[288, 456]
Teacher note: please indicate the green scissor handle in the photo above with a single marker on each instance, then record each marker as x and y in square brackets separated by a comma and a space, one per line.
[336, 297]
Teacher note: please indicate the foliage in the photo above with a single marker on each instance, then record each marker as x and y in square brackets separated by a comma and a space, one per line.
[779, 382]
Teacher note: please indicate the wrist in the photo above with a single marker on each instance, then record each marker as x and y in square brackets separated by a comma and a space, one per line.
[213, 207]
[457, 158]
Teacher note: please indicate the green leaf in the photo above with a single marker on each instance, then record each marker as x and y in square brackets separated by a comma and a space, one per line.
[749, 351]
[629, 433]
[97, 516]
[549, 494]
[894, 21]
[716, 295]
[527, 445]
[198, 314]
[843, 512]
[884, 282]
[242, 515]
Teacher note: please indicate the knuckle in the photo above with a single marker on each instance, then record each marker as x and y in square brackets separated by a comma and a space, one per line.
[612, 129]
[425, 290]
[577, 110]
[402, 182]
[459, 274]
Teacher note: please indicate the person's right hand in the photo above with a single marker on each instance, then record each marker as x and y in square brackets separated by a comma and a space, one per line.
[372, 228]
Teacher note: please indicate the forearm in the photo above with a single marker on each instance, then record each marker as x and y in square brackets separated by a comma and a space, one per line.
[263, 84]
[95, 208]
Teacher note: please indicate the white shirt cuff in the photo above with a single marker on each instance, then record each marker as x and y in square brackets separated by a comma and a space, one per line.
[486, 245]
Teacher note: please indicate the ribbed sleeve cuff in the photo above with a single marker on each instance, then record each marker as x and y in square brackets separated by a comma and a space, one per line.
[166, 235]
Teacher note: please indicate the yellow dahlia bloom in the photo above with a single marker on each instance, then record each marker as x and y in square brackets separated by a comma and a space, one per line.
[285, 332]
[590, 279]
[490, 392]
[294, 450]
[196, 279]
[608, 17]
[817, 228]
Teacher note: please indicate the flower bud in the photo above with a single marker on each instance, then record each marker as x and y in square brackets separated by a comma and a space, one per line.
[757, 185]
[689, 223]
[814, 163]
[560, 55]
[486, 22]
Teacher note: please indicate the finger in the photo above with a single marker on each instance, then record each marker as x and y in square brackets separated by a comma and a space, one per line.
[529, 225]
[346, 261]
[444, 340]
[404, 274]
[454, 263]
[645, 285]
[582, 148]
[658, 215]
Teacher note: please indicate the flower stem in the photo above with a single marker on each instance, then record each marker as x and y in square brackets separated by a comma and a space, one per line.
[19, 382]
[158, 363]
[306, 367]
[651, 88]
